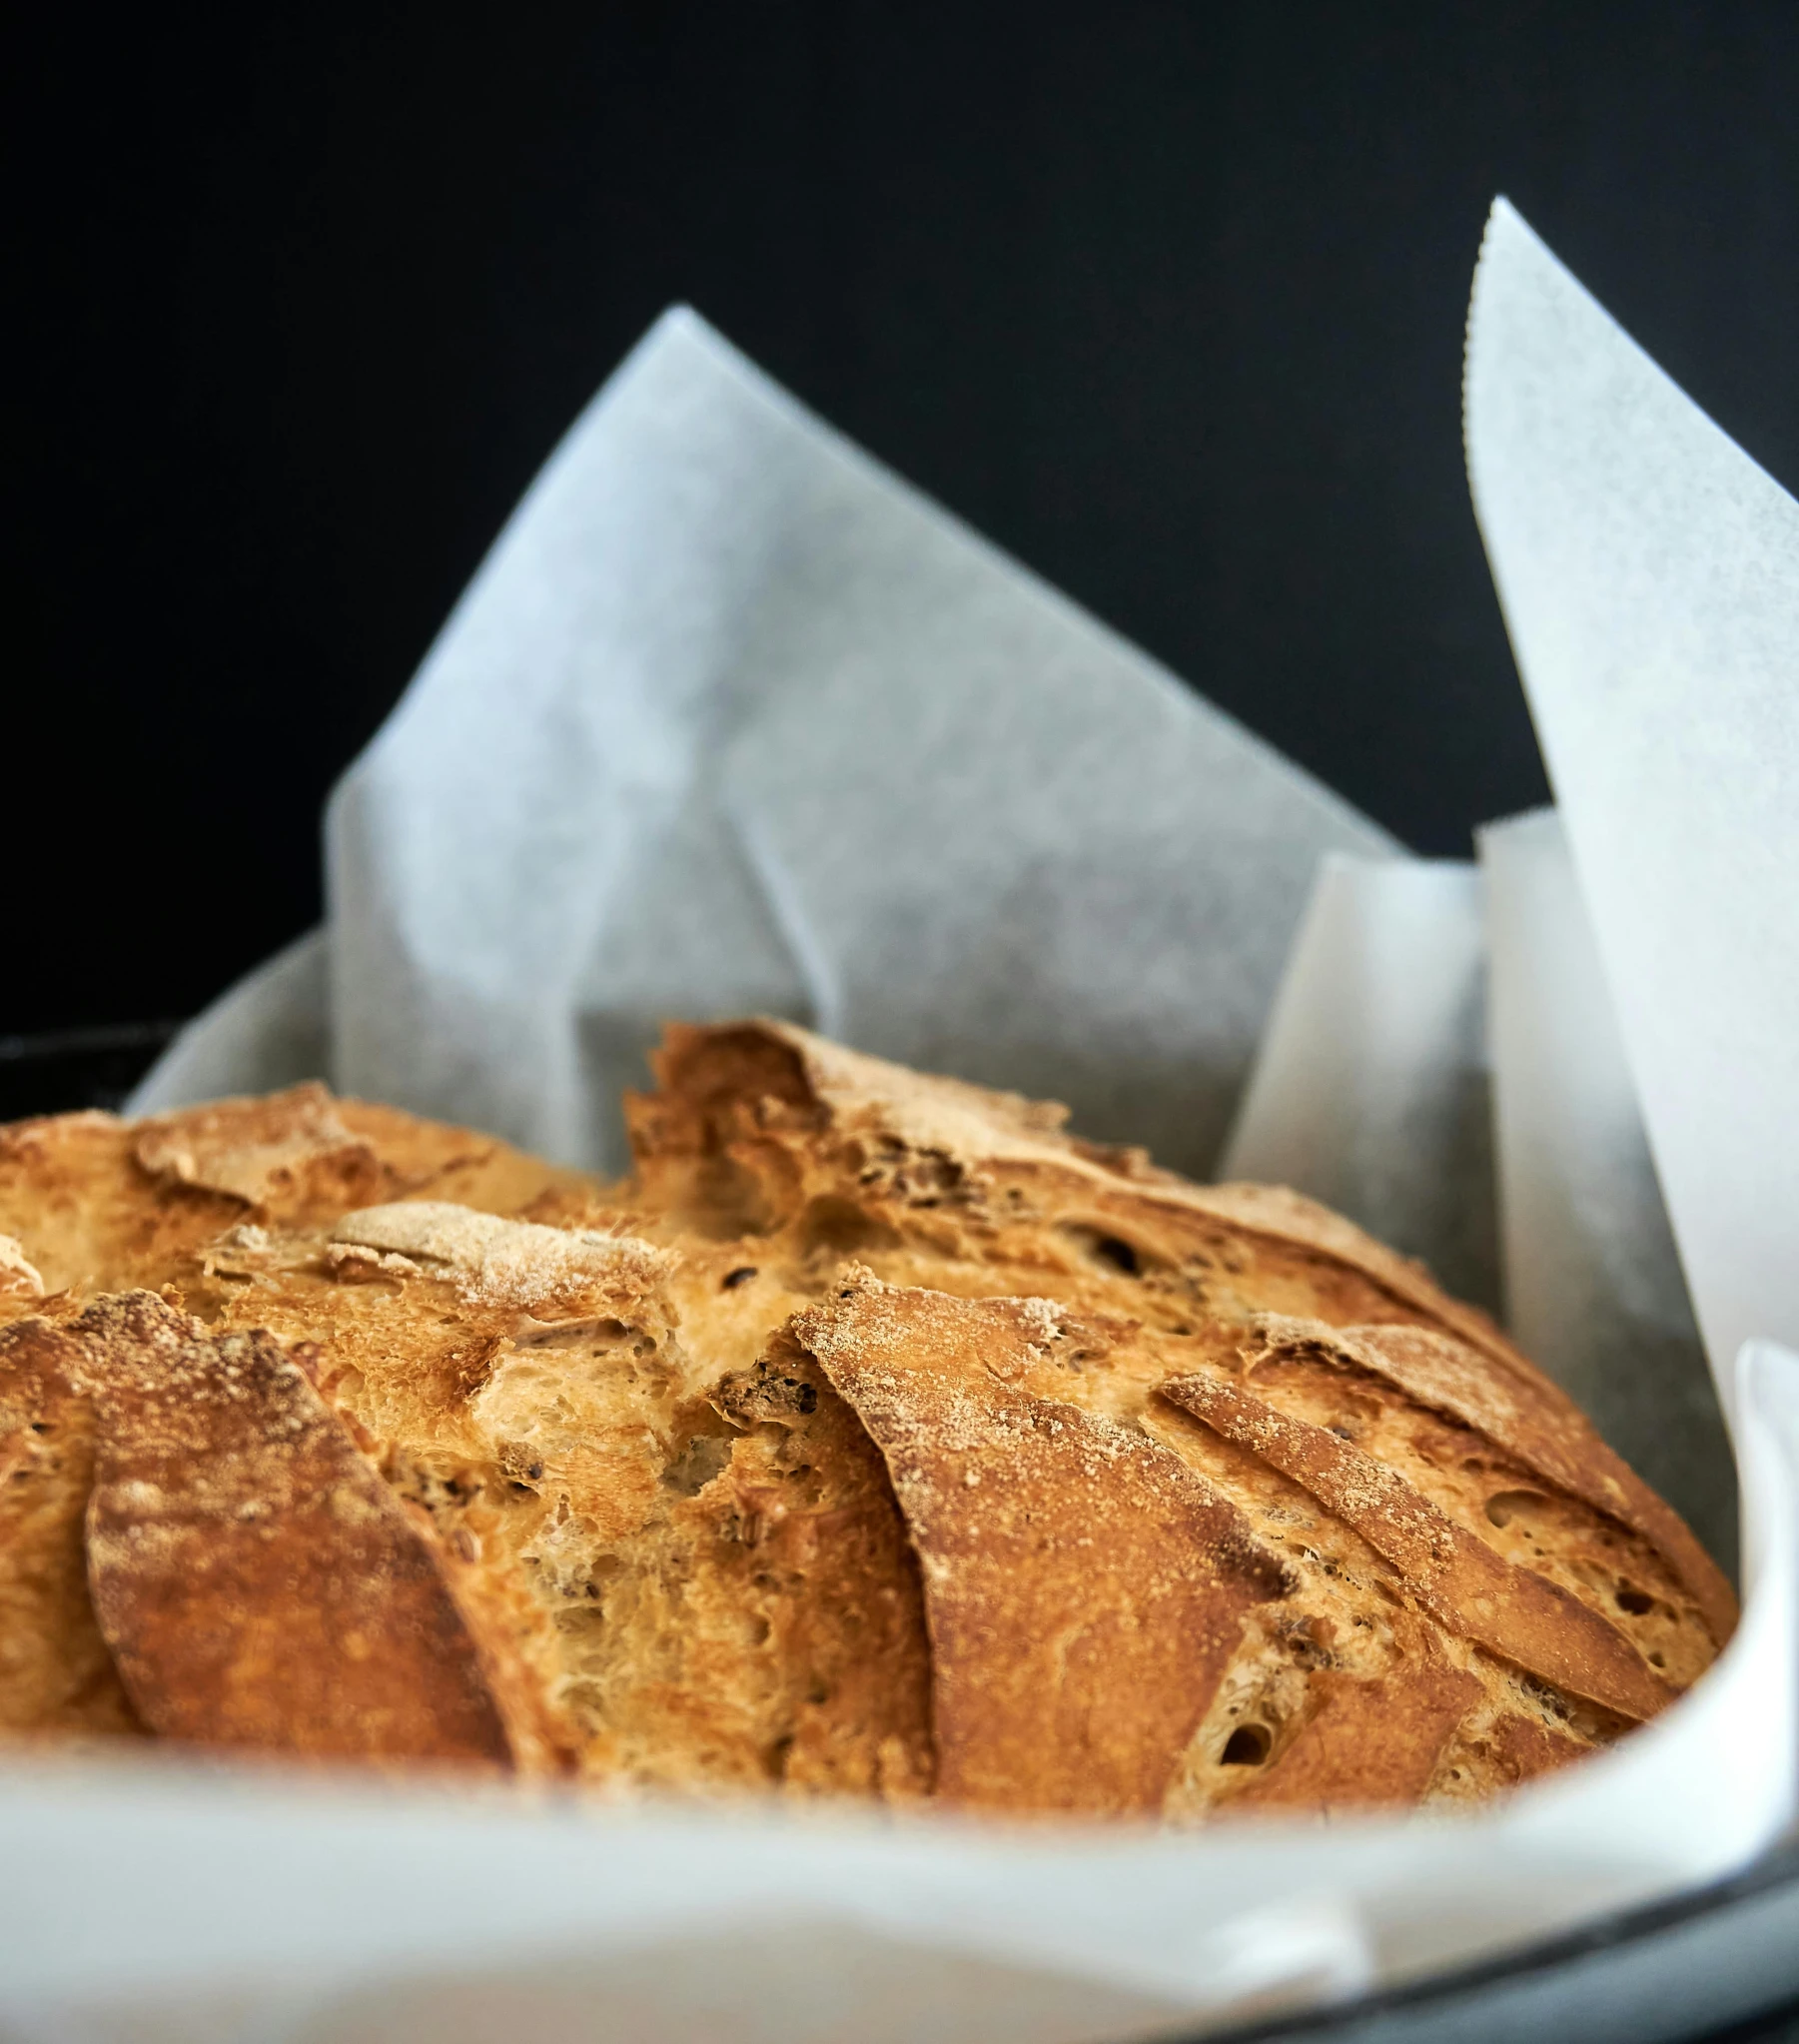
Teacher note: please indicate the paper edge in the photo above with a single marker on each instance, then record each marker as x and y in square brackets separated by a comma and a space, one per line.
[680, 324]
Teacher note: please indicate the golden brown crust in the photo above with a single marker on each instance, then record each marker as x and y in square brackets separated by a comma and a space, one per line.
[1275, 1213]
[1533, 1422]
[283, 1148]
[256, 1582]
[799, 1537]
[1366, 1742]
[696, 1520]
[509, 1381]
[495, 1261]
[710, 1585]
[955, 1137]
[96, 1205]
[789, 1153]
[761, 1119]
[1084, 1589]
[56, 1675]
[1347, 1642]
[1458, 1579]
[1524, 1749]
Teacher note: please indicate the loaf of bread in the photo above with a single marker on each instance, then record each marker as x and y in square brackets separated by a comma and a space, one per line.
[875, 1437]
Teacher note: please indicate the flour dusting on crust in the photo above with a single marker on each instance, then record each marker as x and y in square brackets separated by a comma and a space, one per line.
[497, 1261]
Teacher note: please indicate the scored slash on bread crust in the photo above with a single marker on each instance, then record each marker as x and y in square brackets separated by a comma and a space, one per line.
[253, 1580]
[1083, 1589]
[735, 1096]
[984, 1191]
[1089, 1489]
[1457, 1578]
[56, 1671]
[791, 1152]
[257, 1582]
[1534, 1422]
[278, 1148]
[1369, 1739]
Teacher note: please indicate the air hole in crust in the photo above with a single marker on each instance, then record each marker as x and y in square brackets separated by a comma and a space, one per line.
[1506, 1506]
[1248, 1746]
[697, 1464]
[1636, 1601]
[1096, 1244]
[840, 1228]
[741, 1276]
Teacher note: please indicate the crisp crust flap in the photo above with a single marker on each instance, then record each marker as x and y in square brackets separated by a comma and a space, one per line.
[257, 1149]
[495, 1261]
[99, 1205]
[1538, 1425]
[974, 1130]
[55, 1671]
[304, 1151]
[1366, 1743]
[1084, 1590]
[257, 1582]
[1521, 1751]
[1460, 1580]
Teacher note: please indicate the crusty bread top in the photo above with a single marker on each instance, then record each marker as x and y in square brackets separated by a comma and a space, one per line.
[253, 1579]
[1528, 1418]
[964, 1133]
[1524, 1618]
[56, 1671]
[763, 1126]
[257, 1582]
[1491, 1592]
[1131, 1611]
[264, 1151]
[91, 1204]
[1088, 1489]
[1084, 1590]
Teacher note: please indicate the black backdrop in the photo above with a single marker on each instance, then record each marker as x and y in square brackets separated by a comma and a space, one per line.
[1168, 298]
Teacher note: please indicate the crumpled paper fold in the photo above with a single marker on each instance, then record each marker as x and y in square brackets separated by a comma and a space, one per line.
[731, 720]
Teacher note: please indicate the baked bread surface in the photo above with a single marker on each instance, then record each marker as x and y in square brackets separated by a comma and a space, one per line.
[877, 1437]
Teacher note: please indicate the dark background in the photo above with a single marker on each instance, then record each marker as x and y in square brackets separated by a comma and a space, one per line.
[1167, 299]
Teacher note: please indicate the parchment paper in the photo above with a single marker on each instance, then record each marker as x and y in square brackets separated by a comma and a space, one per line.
[1593, 1288]
[1371, 1089]
[270, 1030]
[722, 671]
[733, 720]
[1650, 574]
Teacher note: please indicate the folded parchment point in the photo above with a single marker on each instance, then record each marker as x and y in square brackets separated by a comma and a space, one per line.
[1649, 576]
